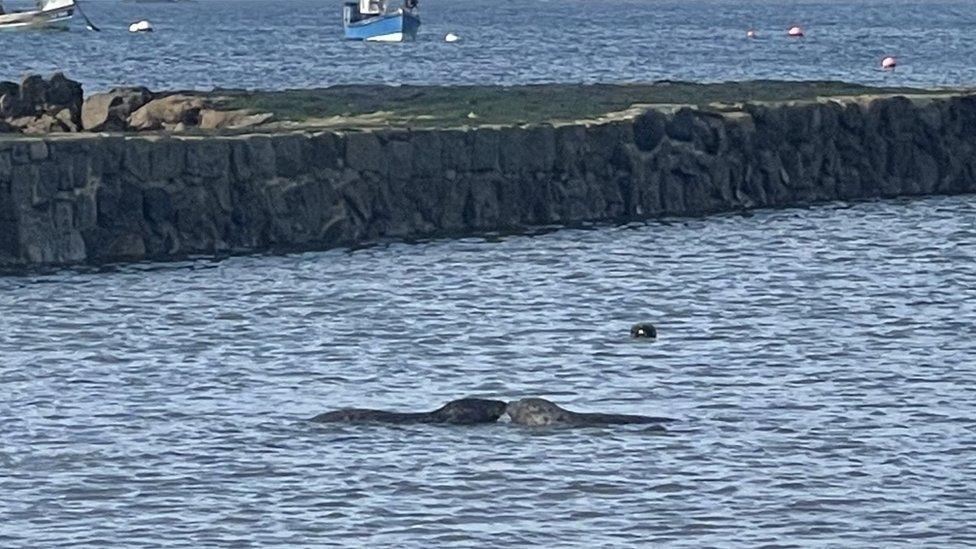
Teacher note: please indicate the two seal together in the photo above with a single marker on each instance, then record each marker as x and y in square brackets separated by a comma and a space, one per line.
[471, 411]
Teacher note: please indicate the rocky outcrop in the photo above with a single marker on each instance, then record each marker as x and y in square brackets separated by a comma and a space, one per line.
[57, 105]
[37, 105]
[211, 119]
[74, 198]
[110, 111]
[171, 112]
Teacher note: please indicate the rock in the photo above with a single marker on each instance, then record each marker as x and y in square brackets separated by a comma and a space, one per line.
[7, 87]
[67, 120]
[33, 91]
[44, 101]
[110, 111]
[44, 123]
[11, 105]
[211, 119]
[172, 109]
[62, 93]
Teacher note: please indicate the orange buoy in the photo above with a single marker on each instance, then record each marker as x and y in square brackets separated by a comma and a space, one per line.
[796, 31]
[750, 33]
[889, 63]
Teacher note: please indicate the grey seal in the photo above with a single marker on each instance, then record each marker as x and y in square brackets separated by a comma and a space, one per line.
[539, 411]
[465, 411]
[643, 330]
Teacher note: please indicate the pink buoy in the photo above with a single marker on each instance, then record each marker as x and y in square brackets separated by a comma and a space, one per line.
[796, 31]
[750, 33]
[889, 63]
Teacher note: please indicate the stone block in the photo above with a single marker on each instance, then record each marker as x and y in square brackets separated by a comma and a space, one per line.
[289, 153]
[485, 150]
[364, 152]
[456, 150]
[208, 158]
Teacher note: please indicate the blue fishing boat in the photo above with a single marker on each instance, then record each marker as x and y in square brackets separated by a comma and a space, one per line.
[375, 21]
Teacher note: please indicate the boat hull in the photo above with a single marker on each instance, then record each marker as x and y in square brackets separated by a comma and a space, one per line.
[58, 17]
[390, 27]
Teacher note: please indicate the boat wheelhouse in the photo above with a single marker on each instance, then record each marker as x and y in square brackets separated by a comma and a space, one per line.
[48, 13]
[376, 21]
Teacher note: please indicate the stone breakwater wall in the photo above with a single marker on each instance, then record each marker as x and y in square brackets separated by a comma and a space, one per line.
[73, 199]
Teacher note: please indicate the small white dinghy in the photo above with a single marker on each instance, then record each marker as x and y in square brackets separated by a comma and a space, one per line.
[49, 13]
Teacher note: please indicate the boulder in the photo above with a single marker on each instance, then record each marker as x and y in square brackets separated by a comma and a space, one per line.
[33, 91]
[170, 110]
[55, 103]
[110, 111]
[68, 120]
[11, 105]
[62, 93]
[44, 123]
[211, 119]
[7, 87]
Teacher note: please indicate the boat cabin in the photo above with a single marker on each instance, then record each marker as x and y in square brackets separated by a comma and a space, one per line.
[45, 13]
[378, 21]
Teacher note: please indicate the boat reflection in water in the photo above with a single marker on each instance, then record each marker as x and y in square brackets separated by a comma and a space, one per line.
[376, 21]
[47, 13]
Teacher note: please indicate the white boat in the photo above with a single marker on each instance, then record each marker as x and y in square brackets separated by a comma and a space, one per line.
[48, 13]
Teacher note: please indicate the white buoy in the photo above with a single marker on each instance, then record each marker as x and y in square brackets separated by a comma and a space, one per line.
[451, 37]
[141, 26]
[751, 33]
[796, 31]
[889, 63]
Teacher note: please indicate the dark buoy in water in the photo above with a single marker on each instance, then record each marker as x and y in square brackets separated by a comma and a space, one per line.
[644, 330]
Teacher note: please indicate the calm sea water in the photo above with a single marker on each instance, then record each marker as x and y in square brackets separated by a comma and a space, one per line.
[819, 363]
[297, 43]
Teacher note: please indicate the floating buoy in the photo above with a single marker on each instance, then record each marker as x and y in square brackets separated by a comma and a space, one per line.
[451, 37]
[750, 33]
[889, 63]
[141, 26]
[796, 31]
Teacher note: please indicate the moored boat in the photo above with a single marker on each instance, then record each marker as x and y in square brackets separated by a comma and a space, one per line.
[376, 21]
[49, 13]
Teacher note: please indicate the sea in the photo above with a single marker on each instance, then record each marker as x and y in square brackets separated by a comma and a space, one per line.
[818, 362]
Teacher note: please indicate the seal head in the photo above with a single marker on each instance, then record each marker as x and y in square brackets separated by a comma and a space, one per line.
[643, 330]
[539, 411]
[536, 412]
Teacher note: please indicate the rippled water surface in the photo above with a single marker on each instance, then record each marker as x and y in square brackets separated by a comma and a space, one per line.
[819, 364]
[297, 43]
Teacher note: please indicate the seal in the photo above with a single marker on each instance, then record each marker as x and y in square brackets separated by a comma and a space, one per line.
[643, 330]
[539, 411]
[465, 411]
